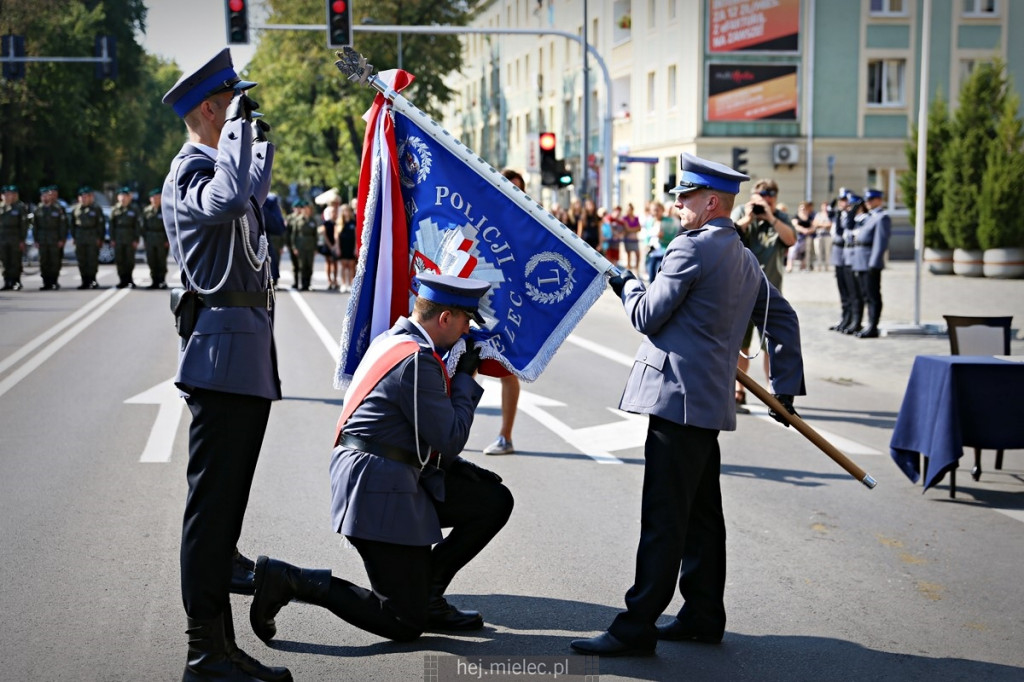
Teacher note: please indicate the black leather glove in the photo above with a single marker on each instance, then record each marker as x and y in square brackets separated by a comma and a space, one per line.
[787, 402]
[241, 106]
[619, 281]
[261, 128]
[473, 472]
[470, 360]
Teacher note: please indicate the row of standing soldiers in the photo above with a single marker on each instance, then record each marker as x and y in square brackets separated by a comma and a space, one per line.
[298, 233]
[87, 226]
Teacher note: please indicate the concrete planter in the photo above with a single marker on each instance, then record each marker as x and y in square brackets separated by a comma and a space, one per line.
[939, 261]
[1004, 263]
[968, 263]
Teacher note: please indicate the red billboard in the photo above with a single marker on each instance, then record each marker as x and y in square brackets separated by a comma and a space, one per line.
[753, 26]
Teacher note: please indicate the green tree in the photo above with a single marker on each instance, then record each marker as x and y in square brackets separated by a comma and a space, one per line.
[61, 124]
[315, 111]
[938, 140]
[999, 211]
[982, 100]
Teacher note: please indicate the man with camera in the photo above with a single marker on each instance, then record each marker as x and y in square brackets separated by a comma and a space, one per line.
[768, 233]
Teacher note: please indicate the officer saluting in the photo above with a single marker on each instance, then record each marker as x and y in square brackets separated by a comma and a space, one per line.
[228, 367]
[693, 317]
[397, 479]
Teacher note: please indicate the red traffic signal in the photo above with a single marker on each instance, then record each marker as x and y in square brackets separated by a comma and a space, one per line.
[339, 23]
[547, 142]
[236, 13]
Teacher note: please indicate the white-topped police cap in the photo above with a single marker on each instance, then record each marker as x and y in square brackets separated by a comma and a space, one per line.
[872, 193]
[698, 173]
[215, 76]
[449, 290]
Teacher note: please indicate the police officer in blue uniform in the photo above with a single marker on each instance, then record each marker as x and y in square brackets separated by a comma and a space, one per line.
[870, 244]
[227, 370]
[853, 286]
[693, 317]
[391, 495]
[840, 223]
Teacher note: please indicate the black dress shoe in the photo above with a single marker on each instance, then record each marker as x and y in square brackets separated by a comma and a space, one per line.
[83, 285]
[121, 285]
[852, 330]
[677, 631]
[443, 617]
[94, 284]
[606, 644]
[869, 333]
[16, 286]
[46, 287]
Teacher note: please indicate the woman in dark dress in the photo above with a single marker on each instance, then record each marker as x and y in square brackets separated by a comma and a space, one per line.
[589, 227]
[347, 246]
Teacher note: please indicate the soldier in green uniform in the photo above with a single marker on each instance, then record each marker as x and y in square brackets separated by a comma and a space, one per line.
[13, 232]
[304, 241]
[125, 230]
[50, 229]
[88, 225]
[155, 237]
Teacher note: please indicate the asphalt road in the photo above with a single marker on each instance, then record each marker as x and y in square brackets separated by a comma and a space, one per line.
[827, 579]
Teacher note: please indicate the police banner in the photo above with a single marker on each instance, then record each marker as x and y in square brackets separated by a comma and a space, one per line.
[429, 204]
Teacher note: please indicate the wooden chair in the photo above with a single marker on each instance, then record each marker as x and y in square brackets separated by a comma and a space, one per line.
[978, 336]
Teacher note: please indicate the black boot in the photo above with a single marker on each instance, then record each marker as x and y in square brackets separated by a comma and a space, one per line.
[208, 655]
[247, 663]
[277, 583]
[243, 577]
[7, 285]
[443, 617]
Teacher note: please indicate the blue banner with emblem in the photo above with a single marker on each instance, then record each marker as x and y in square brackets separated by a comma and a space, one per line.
[463, 220]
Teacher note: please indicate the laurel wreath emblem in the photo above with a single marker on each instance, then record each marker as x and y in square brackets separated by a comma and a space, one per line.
[539, 296]
[421, 155]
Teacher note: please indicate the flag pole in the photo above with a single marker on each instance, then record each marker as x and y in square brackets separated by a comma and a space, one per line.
[805, 429]
[358, 70]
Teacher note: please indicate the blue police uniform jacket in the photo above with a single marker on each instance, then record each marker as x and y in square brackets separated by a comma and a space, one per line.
[381, 499]
[872, 241]
[693, 317]
[232, 348]
[840, 225]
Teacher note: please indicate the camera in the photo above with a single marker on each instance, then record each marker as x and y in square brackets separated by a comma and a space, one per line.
[757, 209]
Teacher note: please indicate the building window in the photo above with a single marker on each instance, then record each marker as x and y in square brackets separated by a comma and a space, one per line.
[886, 82]
[888, 8]
[650, 92]
[672, 87]
[981, 8]
[652, 17]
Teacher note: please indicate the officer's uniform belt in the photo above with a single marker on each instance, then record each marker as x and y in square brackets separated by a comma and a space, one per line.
[384, 450]
[864, 243]
[238, 299]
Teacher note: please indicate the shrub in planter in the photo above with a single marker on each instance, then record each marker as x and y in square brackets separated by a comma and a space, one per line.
[938, 139]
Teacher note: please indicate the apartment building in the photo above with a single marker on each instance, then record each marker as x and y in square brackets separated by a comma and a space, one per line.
[818, 94]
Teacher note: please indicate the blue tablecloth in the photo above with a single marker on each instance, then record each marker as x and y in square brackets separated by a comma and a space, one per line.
[954, 401]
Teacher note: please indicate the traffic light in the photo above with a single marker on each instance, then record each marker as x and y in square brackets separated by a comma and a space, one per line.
[564, 175]
[13, 46]
[237, 14]
[739, 159]
[339, 23]
[106, 47]
[549, 166]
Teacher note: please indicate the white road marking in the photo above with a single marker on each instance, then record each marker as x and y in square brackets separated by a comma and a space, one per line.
[42, 356]
[332, 346]
[161, 437]
[14, 357]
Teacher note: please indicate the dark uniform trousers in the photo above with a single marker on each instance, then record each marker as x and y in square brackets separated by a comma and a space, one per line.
[403, 577]
[869, 283]
[221, 464]
[682, 534]
[843, 284]
[856, 298]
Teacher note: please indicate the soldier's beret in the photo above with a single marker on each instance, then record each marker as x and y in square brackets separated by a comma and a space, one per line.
[124, 190]
[698, 173]
[9, 188]
[215, 76]
[154, 192]
[84, 189]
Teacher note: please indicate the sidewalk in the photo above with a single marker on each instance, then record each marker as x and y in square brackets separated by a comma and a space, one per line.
[826, 353]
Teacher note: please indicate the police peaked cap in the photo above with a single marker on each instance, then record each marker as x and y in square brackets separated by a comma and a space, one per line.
[698, 173]
[215, 76]
[449, 290]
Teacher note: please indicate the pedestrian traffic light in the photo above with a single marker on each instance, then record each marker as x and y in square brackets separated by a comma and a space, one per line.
[13, 46]
[564, 175]
[739, 159]
[236, 13]
[339, 23]
[106, 48]
[549, 168]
